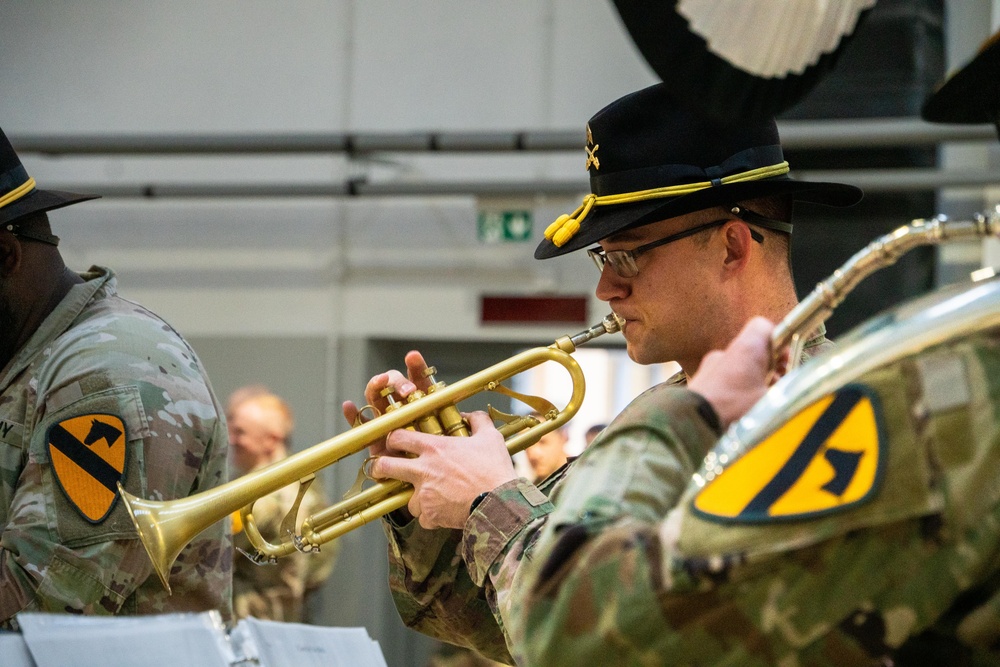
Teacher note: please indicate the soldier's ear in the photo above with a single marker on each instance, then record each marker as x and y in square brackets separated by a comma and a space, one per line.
[738, 242]
[10, 253]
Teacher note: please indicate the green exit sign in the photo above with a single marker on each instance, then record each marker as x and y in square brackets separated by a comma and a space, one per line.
[504, 226]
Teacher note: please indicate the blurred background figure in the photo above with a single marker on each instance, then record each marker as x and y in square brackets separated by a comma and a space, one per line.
[260, 429]
[549, 454]
[592, 433]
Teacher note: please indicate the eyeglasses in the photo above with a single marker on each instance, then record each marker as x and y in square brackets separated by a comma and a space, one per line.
[41, 237]
[623, 261]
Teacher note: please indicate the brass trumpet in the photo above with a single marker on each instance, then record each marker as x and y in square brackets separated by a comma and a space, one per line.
[166, 527]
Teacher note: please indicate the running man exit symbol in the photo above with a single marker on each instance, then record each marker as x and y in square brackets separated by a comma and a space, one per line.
[505, 226]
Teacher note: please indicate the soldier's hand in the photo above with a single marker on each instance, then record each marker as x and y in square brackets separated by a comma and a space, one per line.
[447, 473]
[402, 386]
[732, 380]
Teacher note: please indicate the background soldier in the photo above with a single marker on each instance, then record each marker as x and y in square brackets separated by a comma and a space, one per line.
[260, 430]
[548, 454]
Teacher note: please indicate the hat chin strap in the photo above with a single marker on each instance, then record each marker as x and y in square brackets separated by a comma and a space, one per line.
[41, 237]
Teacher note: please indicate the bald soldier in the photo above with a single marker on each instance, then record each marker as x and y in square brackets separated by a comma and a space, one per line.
[260, 430]
[94, 390]
[548, 454]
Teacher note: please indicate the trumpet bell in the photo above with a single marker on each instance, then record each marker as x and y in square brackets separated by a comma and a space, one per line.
[161, 529]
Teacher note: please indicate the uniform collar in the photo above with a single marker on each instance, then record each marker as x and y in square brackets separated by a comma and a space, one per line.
[60, 319]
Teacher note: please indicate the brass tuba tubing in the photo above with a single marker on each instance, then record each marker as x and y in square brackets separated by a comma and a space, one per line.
[882, 252]
[166, 527]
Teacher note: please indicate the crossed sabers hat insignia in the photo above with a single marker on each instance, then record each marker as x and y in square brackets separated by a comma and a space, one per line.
[592, 158]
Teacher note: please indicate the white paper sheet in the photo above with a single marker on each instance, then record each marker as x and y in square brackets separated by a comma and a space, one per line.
[167, 640]
[14, 651]
[296, 645]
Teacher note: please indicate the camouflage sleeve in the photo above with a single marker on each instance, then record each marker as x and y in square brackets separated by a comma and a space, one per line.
[109, 404]
[908, 574]
[437, 593]
[457, 585]
[639, 466]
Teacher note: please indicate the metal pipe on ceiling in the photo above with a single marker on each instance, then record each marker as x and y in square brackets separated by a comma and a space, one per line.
[797, 134]
[826, 134]
[874, 180]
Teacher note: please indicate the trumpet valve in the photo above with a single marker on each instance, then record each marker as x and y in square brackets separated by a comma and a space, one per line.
[387, 394]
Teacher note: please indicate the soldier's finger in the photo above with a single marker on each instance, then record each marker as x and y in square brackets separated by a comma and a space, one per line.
[416, 369]
[351, 412]
[402, 441]
[394, 467]
[374, 390]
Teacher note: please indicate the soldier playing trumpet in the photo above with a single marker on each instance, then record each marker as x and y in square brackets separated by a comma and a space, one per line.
[863, 531]
[691, 223]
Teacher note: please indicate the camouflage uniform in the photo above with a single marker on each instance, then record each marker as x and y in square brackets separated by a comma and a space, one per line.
[449, 655]
[456, 585]
[109, 363]
[628, 572]
[277, 592]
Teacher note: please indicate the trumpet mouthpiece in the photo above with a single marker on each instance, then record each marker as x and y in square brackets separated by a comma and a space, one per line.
[610, 324]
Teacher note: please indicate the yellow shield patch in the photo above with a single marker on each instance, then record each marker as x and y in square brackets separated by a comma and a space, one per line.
[827, 458]
[88, 458]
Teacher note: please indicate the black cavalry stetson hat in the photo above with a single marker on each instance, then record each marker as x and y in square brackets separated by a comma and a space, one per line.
[972, 94]
[18, 194]
[650, 159]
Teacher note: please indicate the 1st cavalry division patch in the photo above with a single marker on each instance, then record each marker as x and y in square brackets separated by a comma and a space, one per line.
[828, 457]
[88, 457]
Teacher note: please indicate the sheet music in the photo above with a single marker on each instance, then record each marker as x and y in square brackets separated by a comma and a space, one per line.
[275, 644]
[14, 651]
[192, 640]
[167, 640]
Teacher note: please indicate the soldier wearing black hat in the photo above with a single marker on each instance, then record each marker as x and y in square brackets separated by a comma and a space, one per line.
[94, 391]
[765, 557]
[688, 222]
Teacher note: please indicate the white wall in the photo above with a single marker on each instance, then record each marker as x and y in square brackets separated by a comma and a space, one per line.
[239, 274]
[187, 67]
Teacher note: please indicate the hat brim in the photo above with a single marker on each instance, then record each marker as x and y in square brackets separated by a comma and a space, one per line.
[41, 200]
[603, 221]
[972, 94]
